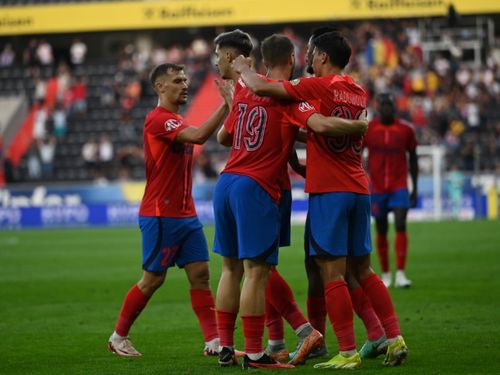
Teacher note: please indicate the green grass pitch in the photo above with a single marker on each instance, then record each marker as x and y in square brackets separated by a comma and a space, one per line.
[60, 292]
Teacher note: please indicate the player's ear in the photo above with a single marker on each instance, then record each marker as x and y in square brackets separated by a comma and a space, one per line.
[323, 57]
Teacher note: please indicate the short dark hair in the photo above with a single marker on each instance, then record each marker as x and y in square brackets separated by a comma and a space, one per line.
[336, 46]
[385, 96]
[162, 70]
[235, 39]
[321, 30]
[276, 49]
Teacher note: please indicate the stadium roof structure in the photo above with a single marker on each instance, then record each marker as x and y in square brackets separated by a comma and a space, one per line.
[150, 14]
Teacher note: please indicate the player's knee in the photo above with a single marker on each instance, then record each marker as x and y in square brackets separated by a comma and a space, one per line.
[200, 279]
[400, 227]
[149, 283]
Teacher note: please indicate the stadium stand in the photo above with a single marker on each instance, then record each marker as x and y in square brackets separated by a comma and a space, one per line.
[449, 90]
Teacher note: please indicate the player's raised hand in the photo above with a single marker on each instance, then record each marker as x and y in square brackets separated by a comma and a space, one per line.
[226, 90]
[363, 116]
[241, 62]
[363, 120]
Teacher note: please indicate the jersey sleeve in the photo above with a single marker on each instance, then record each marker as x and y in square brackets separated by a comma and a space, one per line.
[300, 113]
[166, 127]
[229, 122]
[303, 89]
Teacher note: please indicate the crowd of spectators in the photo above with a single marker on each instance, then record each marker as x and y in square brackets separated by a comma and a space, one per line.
[56, 96]
[451, 101]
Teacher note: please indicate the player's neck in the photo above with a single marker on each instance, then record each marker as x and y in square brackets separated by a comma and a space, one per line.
[329, 70]
[389, 120]
[171, 107]
[278, 74]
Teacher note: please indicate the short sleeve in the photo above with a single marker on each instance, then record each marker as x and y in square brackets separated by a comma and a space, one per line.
[229, 122]
[166, 127]
[300, 113]
[303, 89]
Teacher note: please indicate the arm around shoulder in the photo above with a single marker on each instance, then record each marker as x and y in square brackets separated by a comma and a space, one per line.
[336, 126]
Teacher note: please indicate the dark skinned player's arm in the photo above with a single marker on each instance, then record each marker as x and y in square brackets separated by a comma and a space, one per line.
[413, 164]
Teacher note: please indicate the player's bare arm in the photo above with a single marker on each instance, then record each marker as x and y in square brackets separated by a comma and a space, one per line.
[336, 126]
[224, 137]
[200, 135]
[413, 163]
[255, 83]
[296, 165]
[301, 136]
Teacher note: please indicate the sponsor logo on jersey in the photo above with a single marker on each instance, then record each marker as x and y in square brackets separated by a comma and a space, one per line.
[171, 125]
[295, 82]
[305, 107]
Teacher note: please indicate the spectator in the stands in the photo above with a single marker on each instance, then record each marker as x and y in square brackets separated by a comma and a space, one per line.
[79, 96]
[34, 166]
[90, 156]
[131, 94]
[40, 88]
[30, 54]
[40, 121]
[126, 157]
[47, 150]
[63, 81]
[159, 55]
[78, 52]
[59, 120]
[107, 93]
[7, 56]
[44, 53]
[106, 156]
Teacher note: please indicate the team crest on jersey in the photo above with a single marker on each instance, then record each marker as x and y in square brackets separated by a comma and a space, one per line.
[305, 107]
[171, 124]
[295, 82]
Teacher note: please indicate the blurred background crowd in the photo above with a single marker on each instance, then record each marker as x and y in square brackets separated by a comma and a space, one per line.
[88, 106]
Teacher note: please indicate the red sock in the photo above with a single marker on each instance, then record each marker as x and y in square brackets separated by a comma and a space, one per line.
[202, 302]
[383, 252]
[382, 304]
[253, 330]
[133, 304]
[401, 249]
[339, 307]
[365, 311]
[274, 322]
[280, 295]
[225, 324]
[316, 312]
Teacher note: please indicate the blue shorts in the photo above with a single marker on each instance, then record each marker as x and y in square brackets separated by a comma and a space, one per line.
[169, 241]
[383, 203]
[285, 214]
[339, 224]
[247, 220]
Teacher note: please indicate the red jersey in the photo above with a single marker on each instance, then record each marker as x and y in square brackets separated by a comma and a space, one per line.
[334, 164]
[168, 167]
[387, 147]
[263, 131]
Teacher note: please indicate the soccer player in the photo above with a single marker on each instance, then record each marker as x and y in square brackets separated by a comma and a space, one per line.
[391, 144]
[247, 218]
[171, 232]
[339, 201]
[376, 343]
